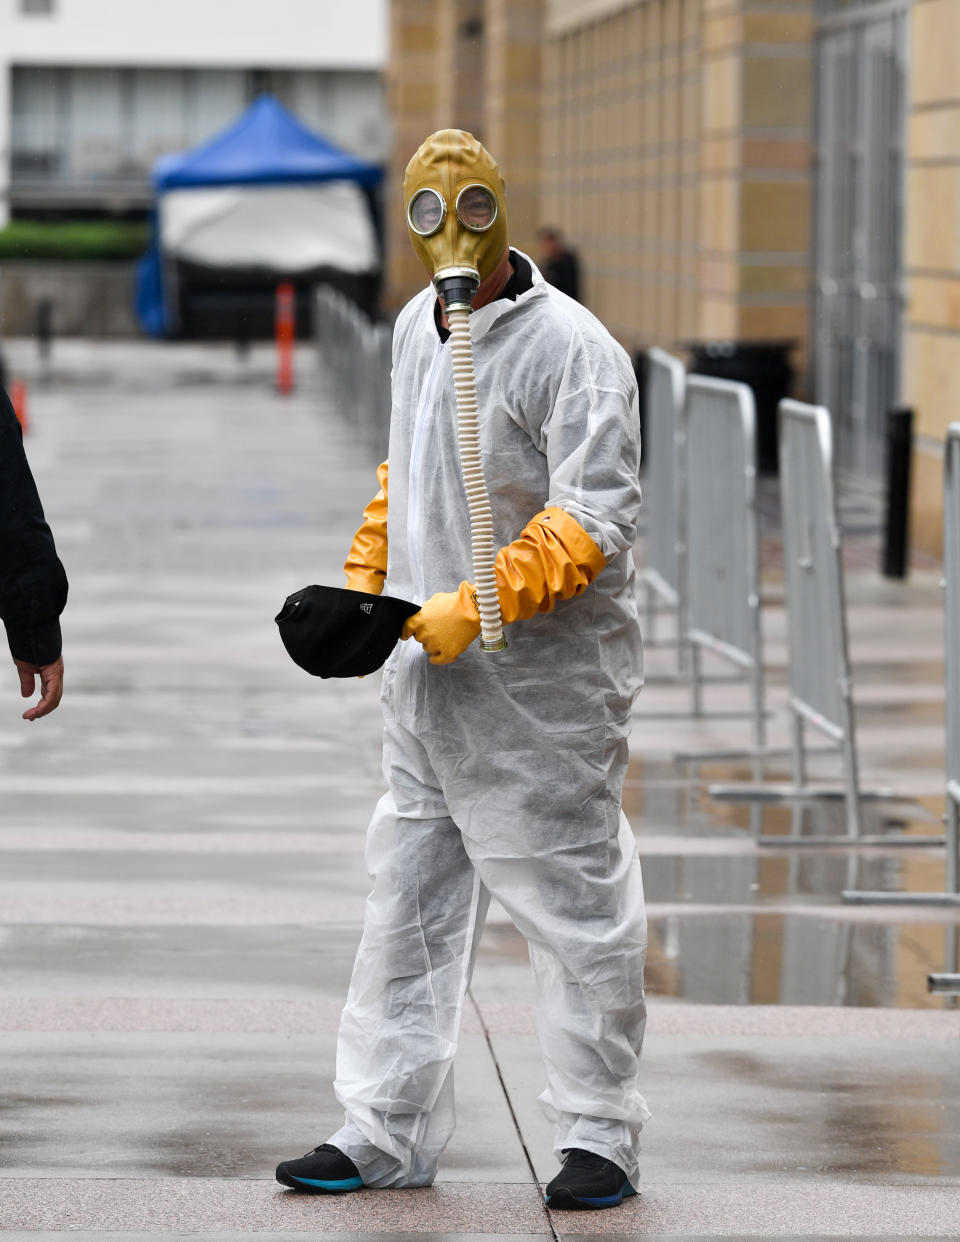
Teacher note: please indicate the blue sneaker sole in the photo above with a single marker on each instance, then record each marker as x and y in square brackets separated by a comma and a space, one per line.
[318, 1187]
[565, 1199]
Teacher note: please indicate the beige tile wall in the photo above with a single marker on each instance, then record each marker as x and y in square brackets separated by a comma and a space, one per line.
[412, 95]
[464, 64]
[512, 94]
[932, 254]
[621, 158]
[459, 66]
[776, 175]
[755, 171]
[669, 139]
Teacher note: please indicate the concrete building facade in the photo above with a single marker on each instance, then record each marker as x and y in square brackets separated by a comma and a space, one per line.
[674, 142]
[92, 91]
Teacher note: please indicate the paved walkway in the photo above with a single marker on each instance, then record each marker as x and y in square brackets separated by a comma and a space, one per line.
[181, 883]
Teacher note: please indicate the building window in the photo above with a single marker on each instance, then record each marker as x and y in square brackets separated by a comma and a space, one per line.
[36, 7]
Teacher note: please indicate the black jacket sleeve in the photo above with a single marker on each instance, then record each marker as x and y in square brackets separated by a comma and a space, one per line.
[33, 584]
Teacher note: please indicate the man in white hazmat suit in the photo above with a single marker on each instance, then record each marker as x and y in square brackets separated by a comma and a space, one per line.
[505, 769]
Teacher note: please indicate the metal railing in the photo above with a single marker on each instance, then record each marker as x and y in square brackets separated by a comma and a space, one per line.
[951, 572]
[354, 357]
[948, 982]
[665, 578]
[820, 684]
[722, 547]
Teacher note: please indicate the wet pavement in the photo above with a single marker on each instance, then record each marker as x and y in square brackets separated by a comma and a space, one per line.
[181, 878]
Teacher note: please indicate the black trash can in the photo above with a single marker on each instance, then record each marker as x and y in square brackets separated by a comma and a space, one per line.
[765, 366]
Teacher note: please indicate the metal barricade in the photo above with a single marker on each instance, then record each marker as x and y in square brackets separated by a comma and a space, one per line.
[664, 577]
[353, 356]
[820, 685]
[951, 573]
[723, 555]
[948, 982]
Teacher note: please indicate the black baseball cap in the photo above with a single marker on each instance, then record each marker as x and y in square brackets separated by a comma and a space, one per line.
[335, 632]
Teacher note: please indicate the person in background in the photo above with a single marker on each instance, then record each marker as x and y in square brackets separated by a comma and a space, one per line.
[558, 263]
[33, 584]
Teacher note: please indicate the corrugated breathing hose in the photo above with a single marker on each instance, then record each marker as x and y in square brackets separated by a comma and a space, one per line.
[471, 467]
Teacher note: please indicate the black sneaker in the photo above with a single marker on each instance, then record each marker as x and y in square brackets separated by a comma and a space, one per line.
[323, 1171]
[588, 1181]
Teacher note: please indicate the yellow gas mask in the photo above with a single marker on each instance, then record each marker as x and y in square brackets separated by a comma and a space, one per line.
[456, 212]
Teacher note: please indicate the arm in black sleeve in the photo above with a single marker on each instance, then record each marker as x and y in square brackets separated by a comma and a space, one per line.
[33, 584]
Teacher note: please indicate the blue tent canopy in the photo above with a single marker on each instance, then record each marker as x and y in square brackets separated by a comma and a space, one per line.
[265, 146]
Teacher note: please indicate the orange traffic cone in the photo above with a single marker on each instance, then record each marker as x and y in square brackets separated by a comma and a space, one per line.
[18, 399]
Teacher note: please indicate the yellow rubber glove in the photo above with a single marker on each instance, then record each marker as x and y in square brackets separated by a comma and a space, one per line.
[553, 558]
[446, 625]
[366, 565]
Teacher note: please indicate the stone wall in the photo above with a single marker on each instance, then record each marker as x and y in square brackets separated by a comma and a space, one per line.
[89, 299]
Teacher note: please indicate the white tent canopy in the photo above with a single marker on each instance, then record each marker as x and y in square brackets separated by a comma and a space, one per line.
[284, 228]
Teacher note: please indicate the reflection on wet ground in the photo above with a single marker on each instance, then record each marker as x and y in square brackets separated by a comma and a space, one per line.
[779, 959]
[734, 922]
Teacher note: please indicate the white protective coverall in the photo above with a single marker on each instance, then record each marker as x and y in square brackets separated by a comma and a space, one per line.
[505, 770]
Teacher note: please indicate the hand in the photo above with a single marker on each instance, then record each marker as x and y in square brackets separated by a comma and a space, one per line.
[51, 686]
[446, 625]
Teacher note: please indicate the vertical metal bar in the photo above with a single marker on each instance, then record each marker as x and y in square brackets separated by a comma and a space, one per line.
[951, 616]
[696, 687]
[664, 576]
[951, 583]
[759, 706]
[952, 947]
[953, 846]
[681, 476]
[797, 753]
[753, 602]
[851, 776]
[837, 599]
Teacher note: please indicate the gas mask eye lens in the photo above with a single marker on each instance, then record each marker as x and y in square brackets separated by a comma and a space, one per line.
[426, 211]
[476, 208]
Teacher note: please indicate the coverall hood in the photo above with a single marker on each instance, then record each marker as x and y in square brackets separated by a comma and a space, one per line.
[455, 202]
